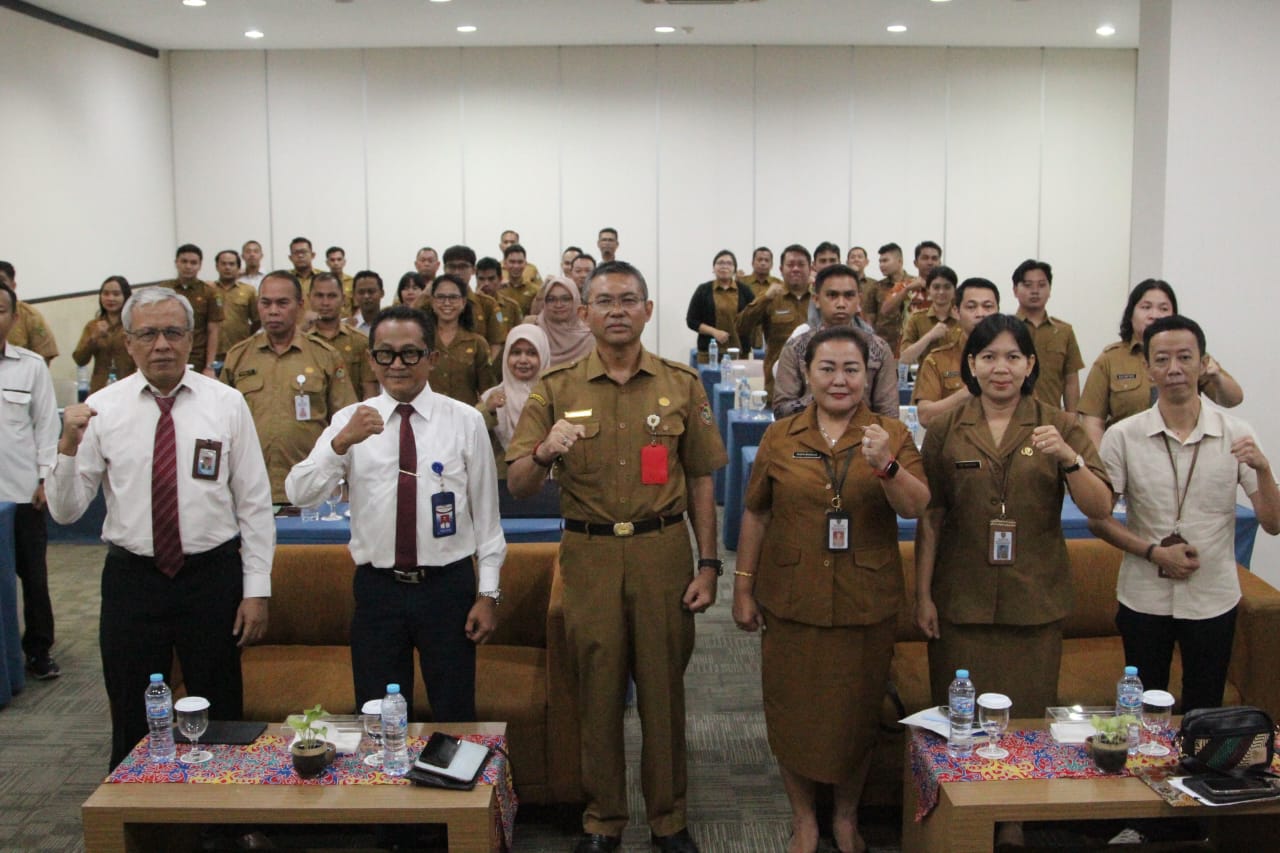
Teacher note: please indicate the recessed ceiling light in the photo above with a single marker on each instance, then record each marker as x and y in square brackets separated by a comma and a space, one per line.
[193, 2]
[897, 28]
[253, 34]
[664, 29]
[466, 28]
[941, 1]
[439, 1]
[1106, 30]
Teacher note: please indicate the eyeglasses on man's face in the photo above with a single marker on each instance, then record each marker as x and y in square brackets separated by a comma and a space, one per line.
[408, 357]
[629, 302]
[147, 336]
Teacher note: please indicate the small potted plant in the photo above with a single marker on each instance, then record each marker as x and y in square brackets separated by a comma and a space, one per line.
[311, 753]
[1109, 745]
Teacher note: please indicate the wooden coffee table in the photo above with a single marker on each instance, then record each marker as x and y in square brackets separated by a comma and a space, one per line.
[967, 812]
[145, 817]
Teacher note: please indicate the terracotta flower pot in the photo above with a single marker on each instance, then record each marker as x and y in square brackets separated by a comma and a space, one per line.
[1109, 757]
[311, 761]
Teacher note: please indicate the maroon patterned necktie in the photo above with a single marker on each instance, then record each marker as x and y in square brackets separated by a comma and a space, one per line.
[407, 494]
[166, 536]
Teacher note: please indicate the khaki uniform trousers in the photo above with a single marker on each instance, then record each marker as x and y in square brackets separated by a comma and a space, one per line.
[623, 615]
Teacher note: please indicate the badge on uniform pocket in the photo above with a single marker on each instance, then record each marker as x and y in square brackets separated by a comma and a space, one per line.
[1002, 541]
[837, 530]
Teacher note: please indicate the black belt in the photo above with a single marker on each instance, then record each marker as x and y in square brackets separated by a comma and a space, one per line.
[622, 528]
[416, 575]
[231, 546]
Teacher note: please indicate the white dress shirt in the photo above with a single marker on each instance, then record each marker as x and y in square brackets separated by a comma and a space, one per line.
[447, 432]
[28, 423]
[116, 452]
[1134, 454]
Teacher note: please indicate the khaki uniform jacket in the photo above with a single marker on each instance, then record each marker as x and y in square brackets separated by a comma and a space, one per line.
[463, 369]
[239, 315]
[939, 375]
[305, 279]
[353, 346]
[484, 310]
[109, 354]
[965, 471]
[921, 322]
[887, 326]
[798, 578]
[524, 292]
[778, 317]
[600, 475]
[206, 306]
[30, 331]
[508, 313]
[269, 384]
[1058, 355]
[1118, 385]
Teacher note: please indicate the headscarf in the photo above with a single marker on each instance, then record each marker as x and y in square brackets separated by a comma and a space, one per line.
[517, 391]
[571, 339]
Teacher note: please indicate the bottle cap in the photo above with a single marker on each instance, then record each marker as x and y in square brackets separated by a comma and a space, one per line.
[1130, 670]
[962, 673]
[156, 677]
[393, 688]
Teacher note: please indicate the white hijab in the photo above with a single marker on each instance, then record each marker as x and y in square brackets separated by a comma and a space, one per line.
[516, 391]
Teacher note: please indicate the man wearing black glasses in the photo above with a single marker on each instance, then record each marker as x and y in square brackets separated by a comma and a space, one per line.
[424, 501]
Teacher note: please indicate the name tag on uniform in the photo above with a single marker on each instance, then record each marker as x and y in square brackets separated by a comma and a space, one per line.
[580, 413]
[443, 520]
[806, 454]
[969, 463]
[302, 407]
[1123, 376]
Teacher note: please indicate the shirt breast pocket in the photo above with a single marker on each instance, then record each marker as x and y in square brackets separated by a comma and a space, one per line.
[585, 455]
[668, 431]
[250, 385]
[17, 405]
[314, 388]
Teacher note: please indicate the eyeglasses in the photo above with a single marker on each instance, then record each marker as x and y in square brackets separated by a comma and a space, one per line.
[558, 300]
[446, 297]
[172, 334]
[607, 303]
[408, 357]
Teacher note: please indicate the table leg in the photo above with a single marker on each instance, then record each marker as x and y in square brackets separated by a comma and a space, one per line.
[945, 829]
[474, 833]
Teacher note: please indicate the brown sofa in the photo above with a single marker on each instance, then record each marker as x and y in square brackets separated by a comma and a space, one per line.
[522, 676]
[1092, 654]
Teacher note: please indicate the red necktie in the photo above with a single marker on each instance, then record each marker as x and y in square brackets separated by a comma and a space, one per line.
[407, 494]
[166, 536]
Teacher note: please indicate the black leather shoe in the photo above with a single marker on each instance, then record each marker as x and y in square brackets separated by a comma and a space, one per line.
[676, 842]
[592, 842]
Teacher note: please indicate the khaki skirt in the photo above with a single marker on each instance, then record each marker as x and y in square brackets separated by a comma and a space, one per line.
[823, 689]
[1020, 661]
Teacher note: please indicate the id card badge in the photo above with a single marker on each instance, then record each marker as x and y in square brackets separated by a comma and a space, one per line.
[1002, 541]
[1171, 539]
[653, 464]
[208, 459]
[443, 521]
[302, 407]
[837, 530]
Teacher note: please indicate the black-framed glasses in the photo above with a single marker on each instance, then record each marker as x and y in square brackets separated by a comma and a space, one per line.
[148, 336]
[607, 303]
[408, 357]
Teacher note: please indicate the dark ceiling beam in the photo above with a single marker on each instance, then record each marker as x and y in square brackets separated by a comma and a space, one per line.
[78, 27]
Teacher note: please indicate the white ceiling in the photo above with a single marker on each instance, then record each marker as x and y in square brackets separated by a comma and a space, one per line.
[220, 25]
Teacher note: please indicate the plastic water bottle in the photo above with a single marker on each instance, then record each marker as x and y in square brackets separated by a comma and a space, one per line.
[111, 377]
[960, 697]
[1129, 701]
[82, 383]
[743, 395]
[159, 701]
[713, 352]
[395, 730]
[726, 369]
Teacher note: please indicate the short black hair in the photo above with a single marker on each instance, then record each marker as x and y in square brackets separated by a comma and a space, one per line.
[326, 276]
[411, 276]
[188, 248]
[7, 269]
[889, 247]
[796, 249]
[288, 276]
[329, 251]
[942, 271]
[760, 249]
[490, 264]
[833, 271]
[722, 253]
[617, 268]
[1135, 296]
[1031, 264]
[125, 290]
[835, 333]
[1174, 323]
[233, 252]
[982, 336]
[826, 246]
[405, 312]
[467, 319]
[296, 240]
[13, 297]
[577, 249]
[976, 284]
[367, 274]
[927, 244]
[459, 253]
[586, 256]
[513, 249]
[607, 230]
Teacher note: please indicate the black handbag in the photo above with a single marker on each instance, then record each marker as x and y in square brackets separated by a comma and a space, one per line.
[1237, 741]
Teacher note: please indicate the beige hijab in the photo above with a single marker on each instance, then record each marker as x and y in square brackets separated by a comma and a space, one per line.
[516, 391]
[571, 339]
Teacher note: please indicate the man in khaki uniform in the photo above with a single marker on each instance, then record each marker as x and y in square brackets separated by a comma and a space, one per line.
[779, 309]
[461, 261]
[634, 444]
[239, 303]
[517, 283]
[301, 255]
[29, 329]
[1057, 352]
[761, 271]
[489, 282]
[939, 385]
[335, 258]
[206, 305]
[326, 303]
[528, 273]
[427, 263]
[292, 382]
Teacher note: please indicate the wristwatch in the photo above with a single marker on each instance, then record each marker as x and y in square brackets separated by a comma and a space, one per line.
[1074, 466]
[495, 594]
[889, 471]
[711, 563]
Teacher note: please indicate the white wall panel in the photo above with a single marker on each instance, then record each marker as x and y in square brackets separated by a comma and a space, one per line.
[705, 177]
[221, 163]
[899, 148]
[415, 156]
[1086, 189]
[802, 121]
[609, 159]
[317, 131]
[993, 163]
[511, 157]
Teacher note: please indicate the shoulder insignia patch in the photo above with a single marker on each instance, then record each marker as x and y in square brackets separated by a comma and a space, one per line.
[704, 412]
[538, 398]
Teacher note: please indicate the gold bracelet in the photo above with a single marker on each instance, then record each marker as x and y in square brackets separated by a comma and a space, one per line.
[739, 574]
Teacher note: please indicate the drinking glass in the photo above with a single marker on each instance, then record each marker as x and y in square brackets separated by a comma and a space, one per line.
[193, 720]
[311, 513]
[334, 498]
[993, 716]
[371, 716]
[1157, 718]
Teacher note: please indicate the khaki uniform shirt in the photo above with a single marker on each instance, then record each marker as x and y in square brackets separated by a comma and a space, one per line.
[921, 322]
[1118, 385]
[508, 314]
[778, 317]
[887, 326]
[798, 578]
[305, 279]
[600, 475]
[206, 306]
[966, 474]
[522, 293]
[463, 368]
[269, 384]
[239, 315]
[353, 346]
[30, 331]
[758, 286]
[1058, 355]
[484, 310]
[109, 354]
[939, 375]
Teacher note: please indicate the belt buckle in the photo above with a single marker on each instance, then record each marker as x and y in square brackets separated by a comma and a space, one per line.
[402, 576]
[624, 528]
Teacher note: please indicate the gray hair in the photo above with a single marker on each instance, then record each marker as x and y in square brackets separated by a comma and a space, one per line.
[153, 296]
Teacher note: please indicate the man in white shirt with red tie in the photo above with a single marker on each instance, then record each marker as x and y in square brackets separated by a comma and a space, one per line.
[189, 525]
[424, 502]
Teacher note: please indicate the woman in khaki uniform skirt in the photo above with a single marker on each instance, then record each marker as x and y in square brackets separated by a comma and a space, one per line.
[822, 576]
[992, 578]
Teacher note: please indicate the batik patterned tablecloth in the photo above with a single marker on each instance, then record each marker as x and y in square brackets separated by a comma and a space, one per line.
[1033, 754]
[266, 761]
